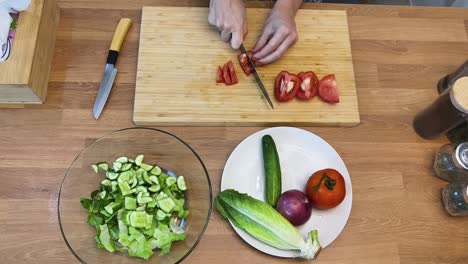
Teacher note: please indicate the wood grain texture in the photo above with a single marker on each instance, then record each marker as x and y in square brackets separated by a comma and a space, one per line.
[24, 76]
[397, 216]
[179, 56]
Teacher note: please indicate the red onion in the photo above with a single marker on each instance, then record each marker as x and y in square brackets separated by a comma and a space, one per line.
[295, 206]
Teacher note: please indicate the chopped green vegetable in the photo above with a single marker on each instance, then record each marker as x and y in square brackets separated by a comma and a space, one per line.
[124, 188]
[146, 167]
[126, 166]
[181, 183]
[152, 204]
[138, 219]
[154, 188]
[122, 160]
[265, 224]
[139, 160]
[130, 203]
[114, 186]
[146, 177]
[103, 165]
[111, 207]
[156, 171]
[124, 176]
[166, 204]
[160, 215]
[125, 217]
[95, 220]
[141, 208]
[184, 214]
[137, 208]
[154, 179]
[106, 182]
[102, 194]
[170, 181]
[112, 175]
[105, 239]
[161, 196]
[117, 166]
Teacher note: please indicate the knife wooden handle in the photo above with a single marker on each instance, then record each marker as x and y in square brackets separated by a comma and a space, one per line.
[120, 33]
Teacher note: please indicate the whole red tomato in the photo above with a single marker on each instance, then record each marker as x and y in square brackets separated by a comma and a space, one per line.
[326, 188]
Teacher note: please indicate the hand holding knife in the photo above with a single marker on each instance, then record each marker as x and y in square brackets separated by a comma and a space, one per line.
[257, 77]
[110, 71]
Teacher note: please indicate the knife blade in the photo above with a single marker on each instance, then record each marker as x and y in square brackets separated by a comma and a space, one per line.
[257, 77]
[110, 71]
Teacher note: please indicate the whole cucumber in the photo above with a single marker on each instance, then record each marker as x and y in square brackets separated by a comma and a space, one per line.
[272, 170]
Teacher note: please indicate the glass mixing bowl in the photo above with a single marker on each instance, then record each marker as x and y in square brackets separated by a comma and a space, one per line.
[159, 147]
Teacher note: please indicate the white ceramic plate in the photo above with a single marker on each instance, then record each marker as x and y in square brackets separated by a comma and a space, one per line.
[301, 154]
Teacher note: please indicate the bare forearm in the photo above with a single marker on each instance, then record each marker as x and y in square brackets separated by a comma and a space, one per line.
[290, 5]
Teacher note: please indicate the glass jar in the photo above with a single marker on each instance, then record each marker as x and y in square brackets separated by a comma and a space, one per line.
[448, 111]
[455, 198]
[451, 162]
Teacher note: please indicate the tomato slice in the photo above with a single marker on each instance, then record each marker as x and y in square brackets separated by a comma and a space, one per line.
[244, 62]
[286, 86]
[226, 75]
[232, 73]
[220, 77]
[327, 89]
[308, 86]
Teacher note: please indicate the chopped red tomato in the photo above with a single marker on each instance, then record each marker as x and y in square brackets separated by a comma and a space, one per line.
[244, 62]
[308, 86]
[232, 73]
[327, 89]
[226, 75]
[286, 86]
[220, 77]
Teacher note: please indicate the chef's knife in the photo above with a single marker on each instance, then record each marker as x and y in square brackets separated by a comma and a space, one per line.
[110, 71]
[257, 77]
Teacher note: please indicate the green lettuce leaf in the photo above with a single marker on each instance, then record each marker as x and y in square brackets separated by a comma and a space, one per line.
[264, 223]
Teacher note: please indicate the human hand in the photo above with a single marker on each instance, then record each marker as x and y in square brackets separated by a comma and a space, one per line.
[279, 33]
[229, 17]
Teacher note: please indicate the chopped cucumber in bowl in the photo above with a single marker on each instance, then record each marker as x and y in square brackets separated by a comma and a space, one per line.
[115, 198]
[137, 208]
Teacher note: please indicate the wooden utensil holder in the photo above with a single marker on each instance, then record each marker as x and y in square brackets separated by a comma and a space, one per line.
[24, 76]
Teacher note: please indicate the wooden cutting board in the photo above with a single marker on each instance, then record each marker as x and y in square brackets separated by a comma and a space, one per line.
[180, 52]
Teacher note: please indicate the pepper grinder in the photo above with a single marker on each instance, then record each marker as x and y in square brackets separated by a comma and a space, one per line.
[448, 111]
[459, 133]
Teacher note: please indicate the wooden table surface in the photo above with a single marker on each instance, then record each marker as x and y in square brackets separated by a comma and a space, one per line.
[397, 216]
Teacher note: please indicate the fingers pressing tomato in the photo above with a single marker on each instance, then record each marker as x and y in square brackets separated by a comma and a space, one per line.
[326, 189]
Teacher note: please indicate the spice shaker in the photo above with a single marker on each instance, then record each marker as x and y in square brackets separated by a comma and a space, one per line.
[455, 198]
[445, 113]
[451, 162]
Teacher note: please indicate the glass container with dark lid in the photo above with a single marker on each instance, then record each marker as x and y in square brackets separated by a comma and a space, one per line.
[448, 111]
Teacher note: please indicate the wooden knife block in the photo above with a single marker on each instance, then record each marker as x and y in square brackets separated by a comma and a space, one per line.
[24, 76]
